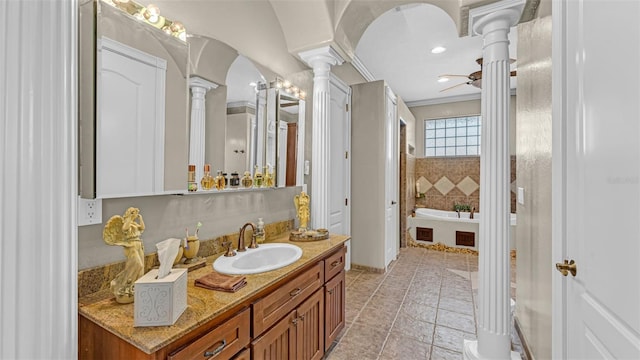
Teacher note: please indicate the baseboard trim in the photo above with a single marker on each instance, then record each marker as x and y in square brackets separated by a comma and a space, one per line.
[367, 268]
[523, 340]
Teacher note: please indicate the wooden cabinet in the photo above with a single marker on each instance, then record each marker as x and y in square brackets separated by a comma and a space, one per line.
[297, 317]
[222, 342]
[273, 307]
[334, 308]
[299, 335]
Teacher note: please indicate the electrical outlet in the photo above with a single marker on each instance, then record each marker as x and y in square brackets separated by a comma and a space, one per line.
[89, 211]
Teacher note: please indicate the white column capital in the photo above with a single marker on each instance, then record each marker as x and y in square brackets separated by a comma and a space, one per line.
[501, 14]
[321, 58]
[196, 81]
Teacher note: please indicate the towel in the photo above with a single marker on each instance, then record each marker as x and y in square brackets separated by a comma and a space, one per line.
[221, 282]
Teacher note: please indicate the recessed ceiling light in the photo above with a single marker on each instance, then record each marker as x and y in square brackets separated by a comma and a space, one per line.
[438, 49]
[443, 79]
[252, 84]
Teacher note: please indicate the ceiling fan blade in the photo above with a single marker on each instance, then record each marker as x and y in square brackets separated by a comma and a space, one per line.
[454, 86]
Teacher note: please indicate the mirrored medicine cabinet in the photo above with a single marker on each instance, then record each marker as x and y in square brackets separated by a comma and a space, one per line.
[130, 148]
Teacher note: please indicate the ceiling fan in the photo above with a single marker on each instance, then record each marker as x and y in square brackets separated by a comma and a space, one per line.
[475, 78]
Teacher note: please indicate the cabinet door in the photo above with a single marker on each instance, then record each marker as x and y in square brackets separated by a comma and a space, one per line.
[334, 310]
[279, 343]
[310, 328]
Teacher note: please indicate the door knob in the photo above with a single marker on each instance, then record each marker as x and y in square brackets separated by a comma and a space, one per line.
[393, 202]
[567, 267]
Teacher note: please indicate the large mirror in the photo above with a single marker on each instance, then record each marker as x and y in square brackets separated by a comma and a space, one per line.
[284, 137]
[133, 104]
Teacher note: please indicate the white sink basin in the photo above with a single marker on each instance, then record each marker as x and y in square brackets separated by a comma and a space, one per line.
[267, 257]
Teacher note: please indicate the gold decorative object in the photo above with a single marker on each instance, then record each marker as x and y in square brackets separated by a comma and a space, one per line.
[302, 210]
[309, 235]
[247, 181]
[125, 231]
[191, 246]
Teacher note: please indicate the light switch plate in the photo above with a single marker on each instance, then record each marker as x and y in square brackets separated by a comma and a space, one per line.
[521, 196]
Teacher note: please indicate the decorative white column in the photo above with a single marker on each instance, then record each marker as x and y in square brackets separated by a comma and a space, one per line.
[321, 60]
[494, 310]
[38, 186]
[199, 88]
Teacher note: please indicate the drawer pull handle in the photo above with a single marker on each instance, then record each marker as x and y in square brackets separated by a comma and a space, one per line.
[295, 292]
[330, 291]
[336, 263]
[216, 351]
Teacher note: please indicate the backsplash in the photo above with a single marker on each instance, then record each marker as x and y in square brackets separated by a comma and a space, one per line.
[99, 278]
[446, 181]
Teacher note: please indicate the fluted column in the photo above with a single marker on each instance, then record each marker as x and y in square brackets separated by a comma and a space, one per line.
[320, 60]
[494, 317]
[199, 88]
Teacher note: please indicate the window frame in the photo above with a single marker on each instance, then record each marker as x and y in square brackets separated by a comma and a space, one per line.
[449, 136]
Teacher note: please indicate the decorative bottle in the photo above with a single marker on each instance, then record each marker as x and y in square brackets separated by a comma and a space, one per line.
[234, 182]
[226, 179]
[192, 185]
[268, 177]
[260, 235]
[247, 181]
[207, 180]
[219, 181]
[257, 178]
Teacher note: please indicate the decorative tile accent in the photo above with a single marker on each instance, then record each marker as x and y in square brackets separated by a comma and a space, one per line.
[424, 184]
[468, 186]
[444, 185]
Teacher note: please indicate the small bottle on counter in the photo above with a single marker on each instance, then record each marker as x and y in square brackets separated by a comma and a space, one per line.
[247, 182]
[257, 178]
[226, 179]
[268, 178]
[192, 185]
[260, 235]
[234, 182]
[207, 180]
[219, 181]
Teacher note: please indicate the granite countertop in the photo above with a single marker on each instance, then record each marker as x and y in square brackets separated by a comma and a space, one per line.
[202, 305]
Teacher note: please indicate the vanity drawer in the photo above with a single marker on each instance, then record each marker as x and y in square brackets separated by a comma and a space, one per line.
[273, 307]
[220, 343]
[334, 263]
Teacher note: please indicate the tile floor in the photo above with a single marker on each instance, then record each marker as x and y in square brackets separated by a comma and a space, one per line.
[422, 308]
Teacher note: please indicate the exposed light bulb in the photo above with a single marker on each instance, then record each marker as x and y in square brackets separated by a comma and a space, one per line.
[252, 84]
[279, 84]
[166, 30]
[286, 84]
[177, 26]
[303, 94]
[152, 13]
[438, 50]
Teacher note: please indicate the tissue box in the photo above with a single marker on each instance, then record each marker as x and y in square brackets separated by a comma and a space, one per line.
[159, 302]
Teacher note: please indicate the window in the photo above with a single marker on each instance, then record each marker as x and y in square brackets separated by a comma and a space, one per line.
[459, 136]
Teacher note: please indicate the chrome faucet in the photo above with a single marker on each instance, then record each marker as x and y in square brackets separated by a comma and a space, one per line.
[241, 246]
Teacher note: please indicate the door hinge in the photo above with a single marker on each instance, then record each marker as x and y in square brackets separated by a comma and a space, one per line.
[346, 154]
[346, 202]
[346, 107]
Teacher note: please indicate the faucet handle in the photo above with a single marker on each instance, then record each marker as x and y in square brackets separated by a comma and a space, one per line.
[254, 243]
[229, 251]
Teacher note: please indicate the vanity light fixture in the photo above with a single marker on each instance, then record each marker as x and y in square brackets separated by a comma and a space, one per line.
[150, 15]
[288, 87]
[438, 50]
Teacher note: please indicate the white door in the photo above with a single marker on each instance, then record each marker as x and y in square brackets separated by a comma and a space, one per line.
[392, 155]
[340, 172]
[130, 121]
[596, 170]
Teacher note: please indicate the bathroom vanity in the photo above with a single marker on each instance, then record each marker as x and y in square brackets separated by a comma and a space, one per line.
[294, 312]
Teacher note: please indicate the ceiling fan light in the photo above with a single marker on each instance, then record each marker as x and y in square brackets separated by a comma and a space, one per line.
[443, 79]
[438, 50]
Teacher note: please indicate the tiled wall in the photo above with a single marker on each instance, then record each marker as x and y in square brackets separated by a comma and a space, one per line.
[446, 181]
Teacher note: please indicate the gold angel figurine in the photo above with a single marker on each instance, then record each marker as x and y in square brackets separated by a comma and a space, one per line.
[125, 231]
[302, 209]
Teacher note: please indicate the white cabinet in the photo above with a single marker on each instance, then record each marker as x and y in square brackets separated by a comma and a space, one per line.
[375, 157]
[130, 106]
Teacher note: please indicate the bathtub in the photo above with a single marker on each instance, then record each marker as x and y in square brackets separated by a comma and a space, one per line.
[441, 226]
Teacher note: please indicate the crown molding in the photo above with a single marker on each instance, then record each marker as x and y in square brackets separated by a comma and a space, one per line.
[449, 99]
[362, 69]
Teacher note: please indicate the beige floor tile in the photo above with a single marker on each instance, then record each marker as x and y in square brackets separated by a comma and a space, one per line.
[412, 327]
[363, 342]
[456, 321]
[451, 339]
[419, 311]
[400, 346]
[438, 353]
[456, 305]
